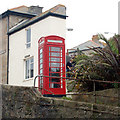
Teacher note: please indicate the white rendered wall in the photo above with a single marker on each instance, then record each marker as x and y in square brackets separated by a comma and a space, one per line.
[48, 26]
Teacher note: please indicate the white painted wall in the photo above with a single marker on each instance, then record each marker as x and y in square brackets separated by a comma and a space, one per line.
[48, 26]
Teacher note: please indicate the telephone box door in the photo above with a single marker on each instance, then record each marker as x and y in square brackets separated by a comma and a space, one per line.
[56, 69]
[51, 65]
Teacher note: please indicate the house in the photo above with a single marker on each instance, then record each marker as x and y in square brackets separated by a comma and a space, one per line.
[84, 47]
[8, 19]
[23, 43]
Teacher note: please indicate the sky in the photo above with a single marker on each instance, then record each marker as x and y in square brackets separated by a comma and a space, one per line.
[85, 17]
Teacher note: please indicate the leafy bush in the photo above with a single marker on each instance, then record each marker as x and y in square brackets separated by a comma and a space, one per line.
[104, 65]
[66, 98]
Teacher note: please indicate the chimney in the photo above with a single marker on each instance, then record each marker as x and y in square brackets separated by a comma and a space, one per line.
[35, 10]
[95, 38]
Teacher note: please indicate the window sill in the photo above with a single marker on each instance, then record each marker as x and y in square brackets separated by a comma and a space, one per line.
[25, 80]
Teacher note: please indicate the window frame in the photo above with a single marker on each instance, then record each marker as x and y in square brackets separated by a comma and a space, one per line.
[26, 69]
[28, 38]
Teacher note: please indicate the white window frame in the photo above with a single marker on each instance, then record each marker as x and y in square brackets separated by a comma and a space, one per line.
[28, 38]
[28, 68]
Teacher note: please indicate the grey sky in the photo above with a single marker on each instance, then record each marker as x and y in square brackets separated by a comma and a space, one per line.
[86, 17]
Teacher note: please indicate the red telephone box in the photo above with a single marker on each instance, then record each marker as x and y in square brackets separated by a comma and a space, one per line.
[51, 65]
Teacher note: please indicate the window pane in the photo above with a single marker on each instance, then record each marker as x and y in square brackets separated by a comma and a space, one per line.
[28, 45]
[40, 51]
[51, 85]
[55, 48]
[28, 35]
[41, 82]
[61, 64]
[54, 80]
[55, 54]
[29, 68]
[41, 66]
[28, 39]
[31, 71]
[55, 59]
[54, 69]
[40, 55]
[26, 74]
[41, 42]
[57, 41]
[61, 59]
[41, 60]
[54, 74]
[55, 64]
[41, 71]
[61, 49]
[61, 70]
[61, 54]
[31, 60]
[54, 85]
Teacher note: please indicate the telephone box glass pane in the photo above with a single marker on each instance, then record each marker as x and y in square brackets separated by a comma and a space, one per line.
[55, 80]
[54, 59]
[55, 64]
[41, 60]
[54, 69]
[41, 66]
[54, 85]
[55, 48]
[54, 74]
[41, 42]
[40, 55]
[40, 51]
[55, 54]
[41, 71]
[57, 41]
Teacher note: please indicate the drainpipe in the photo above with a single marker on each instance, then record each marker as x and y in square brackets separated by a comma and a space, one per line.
[7, 49]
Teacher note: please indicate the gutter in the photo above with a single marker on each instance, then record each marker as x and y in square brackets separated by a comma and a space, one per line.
[8, 50]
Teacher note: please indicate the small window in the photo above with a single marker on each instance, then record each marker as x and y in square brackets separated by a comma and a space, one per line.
[29, 68]
[28, 39]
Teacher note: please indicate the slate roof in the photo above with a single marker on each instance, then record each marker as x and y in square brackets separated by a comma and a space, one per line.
[18, 11]
[87, 44]
[57, 11]
[10, 12]
[84, 46]
[22, 6]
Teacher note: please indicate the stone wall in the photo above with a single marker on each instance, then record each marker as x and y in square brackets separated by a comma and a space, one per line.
[107, 97]
[27, 102]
